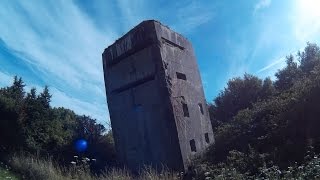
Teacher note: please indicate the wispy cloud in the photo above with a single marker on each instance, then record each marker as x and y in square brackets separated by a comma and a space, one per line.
[62, 44]
[261, 4]
[191, 14]
[56, 38]
[271, 65]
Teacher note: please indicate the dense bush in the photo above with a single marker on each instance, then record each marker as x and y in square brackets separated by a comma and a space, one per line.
[28, 123]
[271, 124]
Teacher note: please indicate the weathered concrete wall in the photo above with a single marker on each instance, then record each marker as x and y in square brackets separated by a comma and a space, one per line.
[145, 100]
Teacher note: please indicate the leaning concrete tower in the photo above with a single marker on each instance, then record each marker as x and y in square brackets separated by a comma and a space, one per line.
[155, 97]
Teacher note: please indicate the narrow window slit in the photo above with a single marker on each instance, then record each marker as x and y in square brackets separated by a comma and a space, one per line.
[185, 110]
[193, 145]
[206, 136]
[200, 108]
[170, 43]
[181, 76]
[134, 84]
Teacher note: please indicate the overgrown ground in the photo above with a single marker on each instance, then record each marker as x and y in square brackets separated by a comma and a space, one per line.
[6, 173]
[35, 168]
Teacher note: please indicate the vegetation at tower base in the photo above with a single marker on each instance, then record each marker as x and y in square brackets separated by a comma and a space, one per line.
[28, 123]
[264, 129]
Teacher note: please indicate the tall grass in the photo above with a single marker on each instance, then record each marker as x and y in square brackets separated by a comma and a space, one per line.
[35, 168]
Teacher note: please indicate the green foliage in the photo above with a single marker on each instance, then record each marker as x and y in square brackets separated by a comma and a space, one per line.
[35, 168]
[6, 172]
[274, 128]
[240, 93]
[30, 124]
[289, 75]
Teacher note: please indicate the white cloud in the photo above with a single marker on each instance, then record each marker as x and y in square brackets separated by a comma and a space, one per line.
[273, 64]
[63, 43]
[261, 5]
[192, 14]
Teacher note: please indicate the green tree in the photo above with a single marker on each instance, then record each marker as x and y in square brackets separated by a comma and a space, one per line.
[268, 89]
[288, 76]
[309, 58]
[239, 94]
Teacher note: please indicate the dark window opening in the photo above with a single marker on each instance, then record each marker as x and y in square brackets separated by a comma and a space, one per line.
[206, 136]
[138, 108]
[166, 41]
[185, 110]
[181, 76]
[200, 107]
[134, 84]
[193, 145]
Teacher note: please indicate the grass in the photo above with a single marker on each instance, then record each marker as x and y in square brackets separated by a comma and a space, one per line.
[6, 174]
[34, 168]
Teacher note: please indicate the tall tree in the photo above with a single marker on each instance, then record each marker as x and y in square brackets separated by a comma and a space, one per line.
[288, 76]
[309, 58]
[239, 94]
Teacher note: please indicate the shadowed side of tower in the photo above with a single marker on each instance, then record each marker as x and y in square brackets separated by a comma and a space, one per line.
[155, 98]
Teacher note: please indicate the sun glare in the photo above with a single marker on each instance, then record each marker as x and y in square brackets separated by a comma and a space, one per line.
[309, 9]
[307, 18]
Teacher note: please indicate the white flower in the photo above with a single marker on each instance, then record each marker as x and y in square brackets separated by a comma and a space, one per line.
[87, 159]
[72, 162]
[279, 171]
[207, 173]
[75, 156]
[94, 160]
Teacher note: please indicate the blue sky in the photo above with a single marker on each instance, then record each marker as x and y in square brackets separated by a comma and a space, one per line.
[59, 43]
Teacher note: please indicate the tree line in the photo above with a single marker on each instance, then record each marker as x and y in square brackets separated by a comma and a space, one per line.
[262, 124]
[29, 124]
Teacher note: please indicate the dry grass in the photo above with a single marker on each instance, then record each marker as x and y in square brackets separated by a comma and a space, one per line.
[34, 168]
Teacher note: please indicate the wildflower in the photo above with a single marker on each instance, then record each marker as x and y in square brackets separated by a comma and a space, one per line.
[72, 162]
[207, 178]
[75, 156]
[87, 159]
[279, 171]
[315, 157]
[94, 160]
[207, 173]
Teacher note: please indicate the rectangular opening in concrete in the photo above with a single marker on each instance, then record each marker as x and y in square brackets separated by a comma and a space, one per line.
[185, 110]
[130, 52]
[138, 108]
[200, 108]
[206, 136]
[181, 76]
[193, 145]
[170, 43]
[134, 84]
